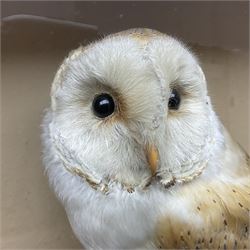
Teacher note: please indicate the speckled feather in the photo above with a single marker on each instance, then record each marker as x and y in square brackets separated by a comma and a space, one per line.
[223, 206]
[225, 211]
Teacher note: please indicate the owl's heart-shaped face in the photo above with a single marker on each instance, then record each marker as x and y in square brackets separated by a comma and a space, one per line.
[132, 108]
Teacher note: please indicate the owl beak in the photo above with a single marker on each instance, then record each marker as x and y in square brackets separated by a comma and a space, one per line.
[152, 158]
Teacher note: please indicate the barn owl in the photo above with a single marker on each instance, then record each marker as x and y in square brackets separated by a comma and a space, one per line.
[135, 152]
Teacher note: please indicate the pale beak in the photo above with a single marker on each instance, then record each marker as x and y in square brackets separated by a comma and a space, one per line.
[152, 158]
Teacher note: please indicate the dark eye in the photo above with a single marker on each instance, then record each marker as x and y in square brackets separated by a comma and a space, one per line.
[174, 100]
[103, 105]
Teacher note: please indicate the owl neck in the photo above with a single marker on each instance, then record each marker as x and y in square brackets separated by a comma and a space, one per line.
[228, 161]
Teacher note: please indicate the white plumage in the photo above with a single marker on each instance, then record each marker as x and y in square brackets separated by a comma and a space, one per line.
[130, 178]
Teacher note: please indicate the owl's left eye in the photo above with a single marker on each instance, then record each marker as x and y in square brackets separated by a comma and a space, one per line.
[174, 100]
[103, 105]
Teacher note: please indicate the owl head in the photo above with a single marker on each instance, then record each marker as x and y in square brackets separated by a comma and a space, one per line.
[132, 109]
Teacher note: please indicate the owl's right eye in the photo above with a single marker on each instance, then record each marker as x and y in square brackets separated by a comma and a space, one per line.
[103, 105]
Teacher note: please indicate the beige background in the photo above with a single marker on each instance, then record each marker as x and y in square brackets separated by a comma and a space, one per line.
[33, 49]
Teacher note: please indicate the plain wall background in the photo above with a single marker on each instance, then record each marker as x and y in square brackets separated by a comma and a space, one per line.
[211, 23]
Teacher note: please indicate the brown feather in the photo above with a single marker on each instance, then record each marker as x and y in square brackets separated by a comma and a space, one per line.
[225, 211]
[223, 207]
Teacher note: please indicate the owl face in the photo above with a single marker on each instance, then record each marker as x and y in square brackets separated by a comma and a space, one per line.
[131, 107]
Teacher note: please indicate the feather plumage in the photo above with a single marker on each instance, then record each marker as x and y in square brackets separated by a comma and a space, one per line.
[198, 194]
